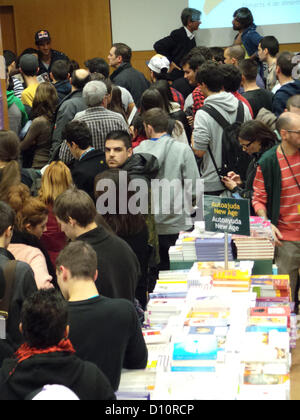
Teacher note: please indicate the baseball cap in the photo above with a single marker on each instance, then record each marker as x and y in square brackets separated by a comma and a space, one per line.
[29, 63]
[158, 62]
[42, 36]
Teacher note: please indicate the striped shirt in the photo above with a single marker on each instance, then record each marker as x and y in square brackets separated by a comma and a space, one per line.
[100, 122]
[289, 217]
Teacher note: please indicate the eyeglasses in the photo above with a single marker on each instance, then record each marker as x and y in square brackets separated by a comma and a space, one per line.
[245, 146]
[293, 131]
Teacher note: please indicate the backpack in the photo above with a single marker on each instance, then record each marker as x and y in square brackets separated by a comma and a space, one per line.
[7, 282]
[233, 157]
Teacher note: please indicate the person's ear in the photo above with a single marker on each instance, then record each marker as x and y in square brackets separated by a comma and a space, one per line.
[21, 328]
[96, 275]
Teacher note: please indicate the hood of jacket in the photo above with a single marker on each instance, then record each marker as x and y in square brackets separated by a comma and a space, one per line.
[141, 165]
[63, 87]
[32, 374]
[223, 102]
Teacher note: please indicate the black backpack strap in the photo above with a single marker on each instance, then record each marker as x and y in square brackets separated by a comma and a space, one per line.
[9, 274]
[240, 113]
[216, 116]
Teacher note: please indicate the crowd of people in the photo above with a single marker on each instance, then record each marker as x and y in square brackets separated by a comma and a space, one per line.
[100, 172]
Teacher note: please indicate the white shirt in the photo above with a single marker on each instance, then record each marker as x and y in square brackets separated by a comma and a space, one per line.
[190, 35]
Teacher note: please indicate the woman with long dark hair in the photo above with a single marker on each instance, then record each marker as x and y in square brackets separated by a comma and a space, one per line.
[37, 142]
[130, 227]
[255, 139]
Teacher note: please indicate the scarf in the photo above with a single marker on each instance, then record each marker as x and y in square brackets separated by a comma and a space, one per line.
[12, 99]
[25, 352]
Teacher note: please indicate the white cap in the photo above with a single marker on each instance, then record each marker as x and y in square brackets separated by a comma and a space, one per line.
[158, 62]
[55, 393]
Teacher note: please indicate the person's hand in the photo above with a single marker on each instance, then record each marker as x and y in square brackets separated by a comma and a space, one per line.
[229, 183]
[234, 177]
[174, 66]
[277, 235]
[190, 120]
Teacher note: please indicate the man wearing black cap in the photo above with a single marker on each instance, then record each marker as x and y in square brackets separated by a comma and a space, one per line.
[47, 55]
[29, 67]
[181, 41]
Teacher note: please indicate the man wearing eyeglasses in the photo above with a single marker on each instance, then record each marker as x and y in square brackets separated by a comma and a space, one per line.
[277, 197]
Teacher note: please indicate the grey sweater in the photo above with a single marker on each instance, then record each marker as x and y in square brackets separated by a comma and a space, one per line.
[177, 165]
[208, 132]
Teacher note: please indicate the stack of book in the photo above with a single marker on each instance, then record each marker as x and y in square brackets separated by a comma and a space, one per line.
[274, 291]
[207, 246]
[233, 280]
[271, 290]
[265, 355]
[213, 249]
[259, 245]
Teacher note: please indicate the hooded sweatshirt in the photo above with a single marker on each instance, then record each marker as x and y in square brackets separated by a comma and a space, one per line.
[176, 163]
[208, 132]
[283, 94]
[17, 381]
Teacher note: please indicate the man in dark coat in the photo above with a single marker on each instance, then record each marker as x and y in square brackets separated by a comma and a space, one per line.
[125, 75]
[180, 41]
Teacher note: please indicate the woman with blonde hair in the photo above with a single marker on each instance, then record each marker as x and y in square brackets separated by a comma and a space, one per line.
[56, 179]
[37, 142]
[31, 220]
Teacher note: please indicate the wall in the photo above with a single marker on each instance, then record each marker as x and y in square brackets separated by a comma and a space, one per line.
[80, 29]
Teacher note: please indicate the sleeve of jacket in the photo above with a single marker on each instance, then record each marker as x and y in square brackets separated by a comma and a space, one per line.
[136, 356]
[165, 46]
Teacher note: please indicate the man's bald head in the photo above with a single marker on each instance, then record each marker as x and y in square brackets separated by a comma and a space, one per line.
[80, 78]
[288, 121]
[234, 54]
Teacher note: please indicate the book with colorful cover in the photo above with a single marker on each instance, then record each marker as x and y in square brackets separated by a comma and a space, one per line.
[204, 348]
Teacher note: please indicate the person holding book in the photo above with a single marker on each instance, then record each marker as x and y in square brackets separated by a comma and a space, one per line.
[255, 139]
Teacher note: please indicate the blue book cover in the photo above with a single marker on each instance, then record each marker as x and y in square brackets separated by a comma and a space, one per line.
[193, 369]
[265, 328]
[206, 348]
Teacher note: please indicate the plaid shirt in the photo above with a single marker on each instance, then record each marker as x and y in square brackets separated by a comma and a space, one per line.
[100, 122]
[198, 99]
[178, 97]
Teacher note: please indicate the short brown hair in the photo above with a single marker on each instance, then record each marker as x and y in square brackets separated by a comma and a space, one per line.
[157, 118]
[80, 258]
[76, 204]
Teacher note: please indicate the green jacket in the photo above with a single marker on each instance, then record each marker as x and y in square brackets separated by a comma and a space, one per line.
[12, 99]
[272, 177]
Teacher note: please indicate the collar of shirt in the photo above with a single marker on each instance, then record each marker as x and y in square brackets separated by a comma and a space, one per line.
[86, 152]
[190, 35]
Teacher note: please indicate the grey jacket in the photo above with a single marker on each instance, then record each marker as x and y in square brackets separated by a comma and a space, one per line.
[208, 132]
[171, 201]
[65, 113]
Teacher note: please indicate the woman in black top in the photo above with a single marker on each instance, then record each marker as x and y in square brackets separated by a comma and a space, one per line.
[255, 139]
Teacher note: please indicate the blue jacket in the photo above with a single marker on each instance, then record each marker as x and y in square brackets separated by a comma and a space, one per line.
[283, 94]
[250, 39]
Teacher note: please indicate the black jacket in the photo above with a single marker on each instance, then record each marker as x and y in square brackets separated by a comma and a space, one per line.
[84, 170]
[55, 55]
[175, 46]
[118, 266]
[107, 332]
[66, 369]
[131, 79]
